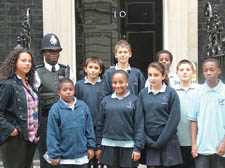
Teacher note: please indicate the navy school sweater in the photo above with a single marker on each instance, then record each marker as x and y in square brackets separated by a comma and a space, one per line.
[162, 116]
[91, 95]
[121, 120]
[136, 81]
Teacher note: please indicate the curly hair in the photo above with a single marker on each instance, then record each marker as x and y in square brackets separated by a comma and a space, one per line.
[8, 67]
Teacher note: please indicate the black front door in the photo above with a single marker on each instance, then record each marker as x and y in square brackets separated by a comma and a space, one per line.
[142, 27]
[101, 23]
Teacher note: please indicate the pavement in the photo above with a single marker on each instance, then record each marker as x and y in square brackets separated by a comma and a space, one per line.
[36, 165]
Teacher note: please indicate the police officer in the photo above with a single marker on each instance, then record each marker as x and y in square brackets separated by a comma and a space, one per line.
[47, 79]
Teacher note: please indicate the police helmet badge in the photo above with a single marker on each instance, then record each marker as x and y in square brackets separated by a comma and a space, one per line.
[53, 40]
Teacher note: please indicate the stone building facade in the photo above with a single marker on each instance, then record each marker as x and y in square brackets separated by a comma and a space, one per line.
[12, 15]
[45, 18]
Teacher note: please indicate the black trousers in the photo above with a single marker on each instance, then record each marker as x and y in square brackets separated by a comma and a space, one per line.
[93, 162]
[42, 144]
[189, 161]
[74, 166]
[209, 161]
[17, 153]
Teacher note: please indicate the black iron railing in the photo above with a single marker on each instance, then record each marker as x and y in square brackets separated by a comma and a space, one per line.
[216, 38]
[24, 39]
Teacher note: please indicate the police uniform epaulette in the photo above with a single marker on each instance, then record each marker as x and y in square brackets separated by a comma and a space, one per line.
[62, 65]
[40, 66]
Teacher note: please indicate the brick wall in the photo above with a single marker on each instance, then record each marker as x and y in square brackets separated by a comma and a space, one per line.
[11, 19]
[202, 26]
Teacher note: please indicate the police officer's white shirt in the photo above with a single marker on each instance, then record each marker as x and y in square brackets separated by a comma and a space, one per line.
[37, 82]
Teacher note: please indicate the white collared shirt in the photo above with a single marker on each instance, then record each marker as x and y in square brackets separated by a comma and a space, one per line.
[87, 81]
[127, 70]
[49, 67]
[114, 95]
[69, 105]
[162, 90]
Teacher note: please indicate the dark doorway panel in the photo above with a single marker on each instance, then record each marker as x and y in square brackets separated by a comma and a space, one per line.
[142, 27]
[101, 23]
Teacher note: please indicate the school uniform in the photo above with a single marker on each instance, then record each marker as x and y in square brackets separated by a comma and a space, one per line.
[91, 94]
[70, 133]
[162, 115]
[120, 130]
[209, 113]
[136, 80]
[183, 129]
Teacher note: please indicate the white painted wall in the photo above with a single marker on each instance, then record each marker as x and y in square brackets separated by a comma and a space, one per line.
[59, 18]
[180, 20]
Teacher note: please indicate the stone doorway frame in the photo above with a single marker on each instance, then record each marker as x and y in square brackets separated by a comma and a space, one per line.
[180, 28]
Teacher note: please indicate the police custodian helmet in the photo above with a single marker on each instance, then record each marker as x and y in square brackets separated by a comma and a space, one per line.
[50, 42]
